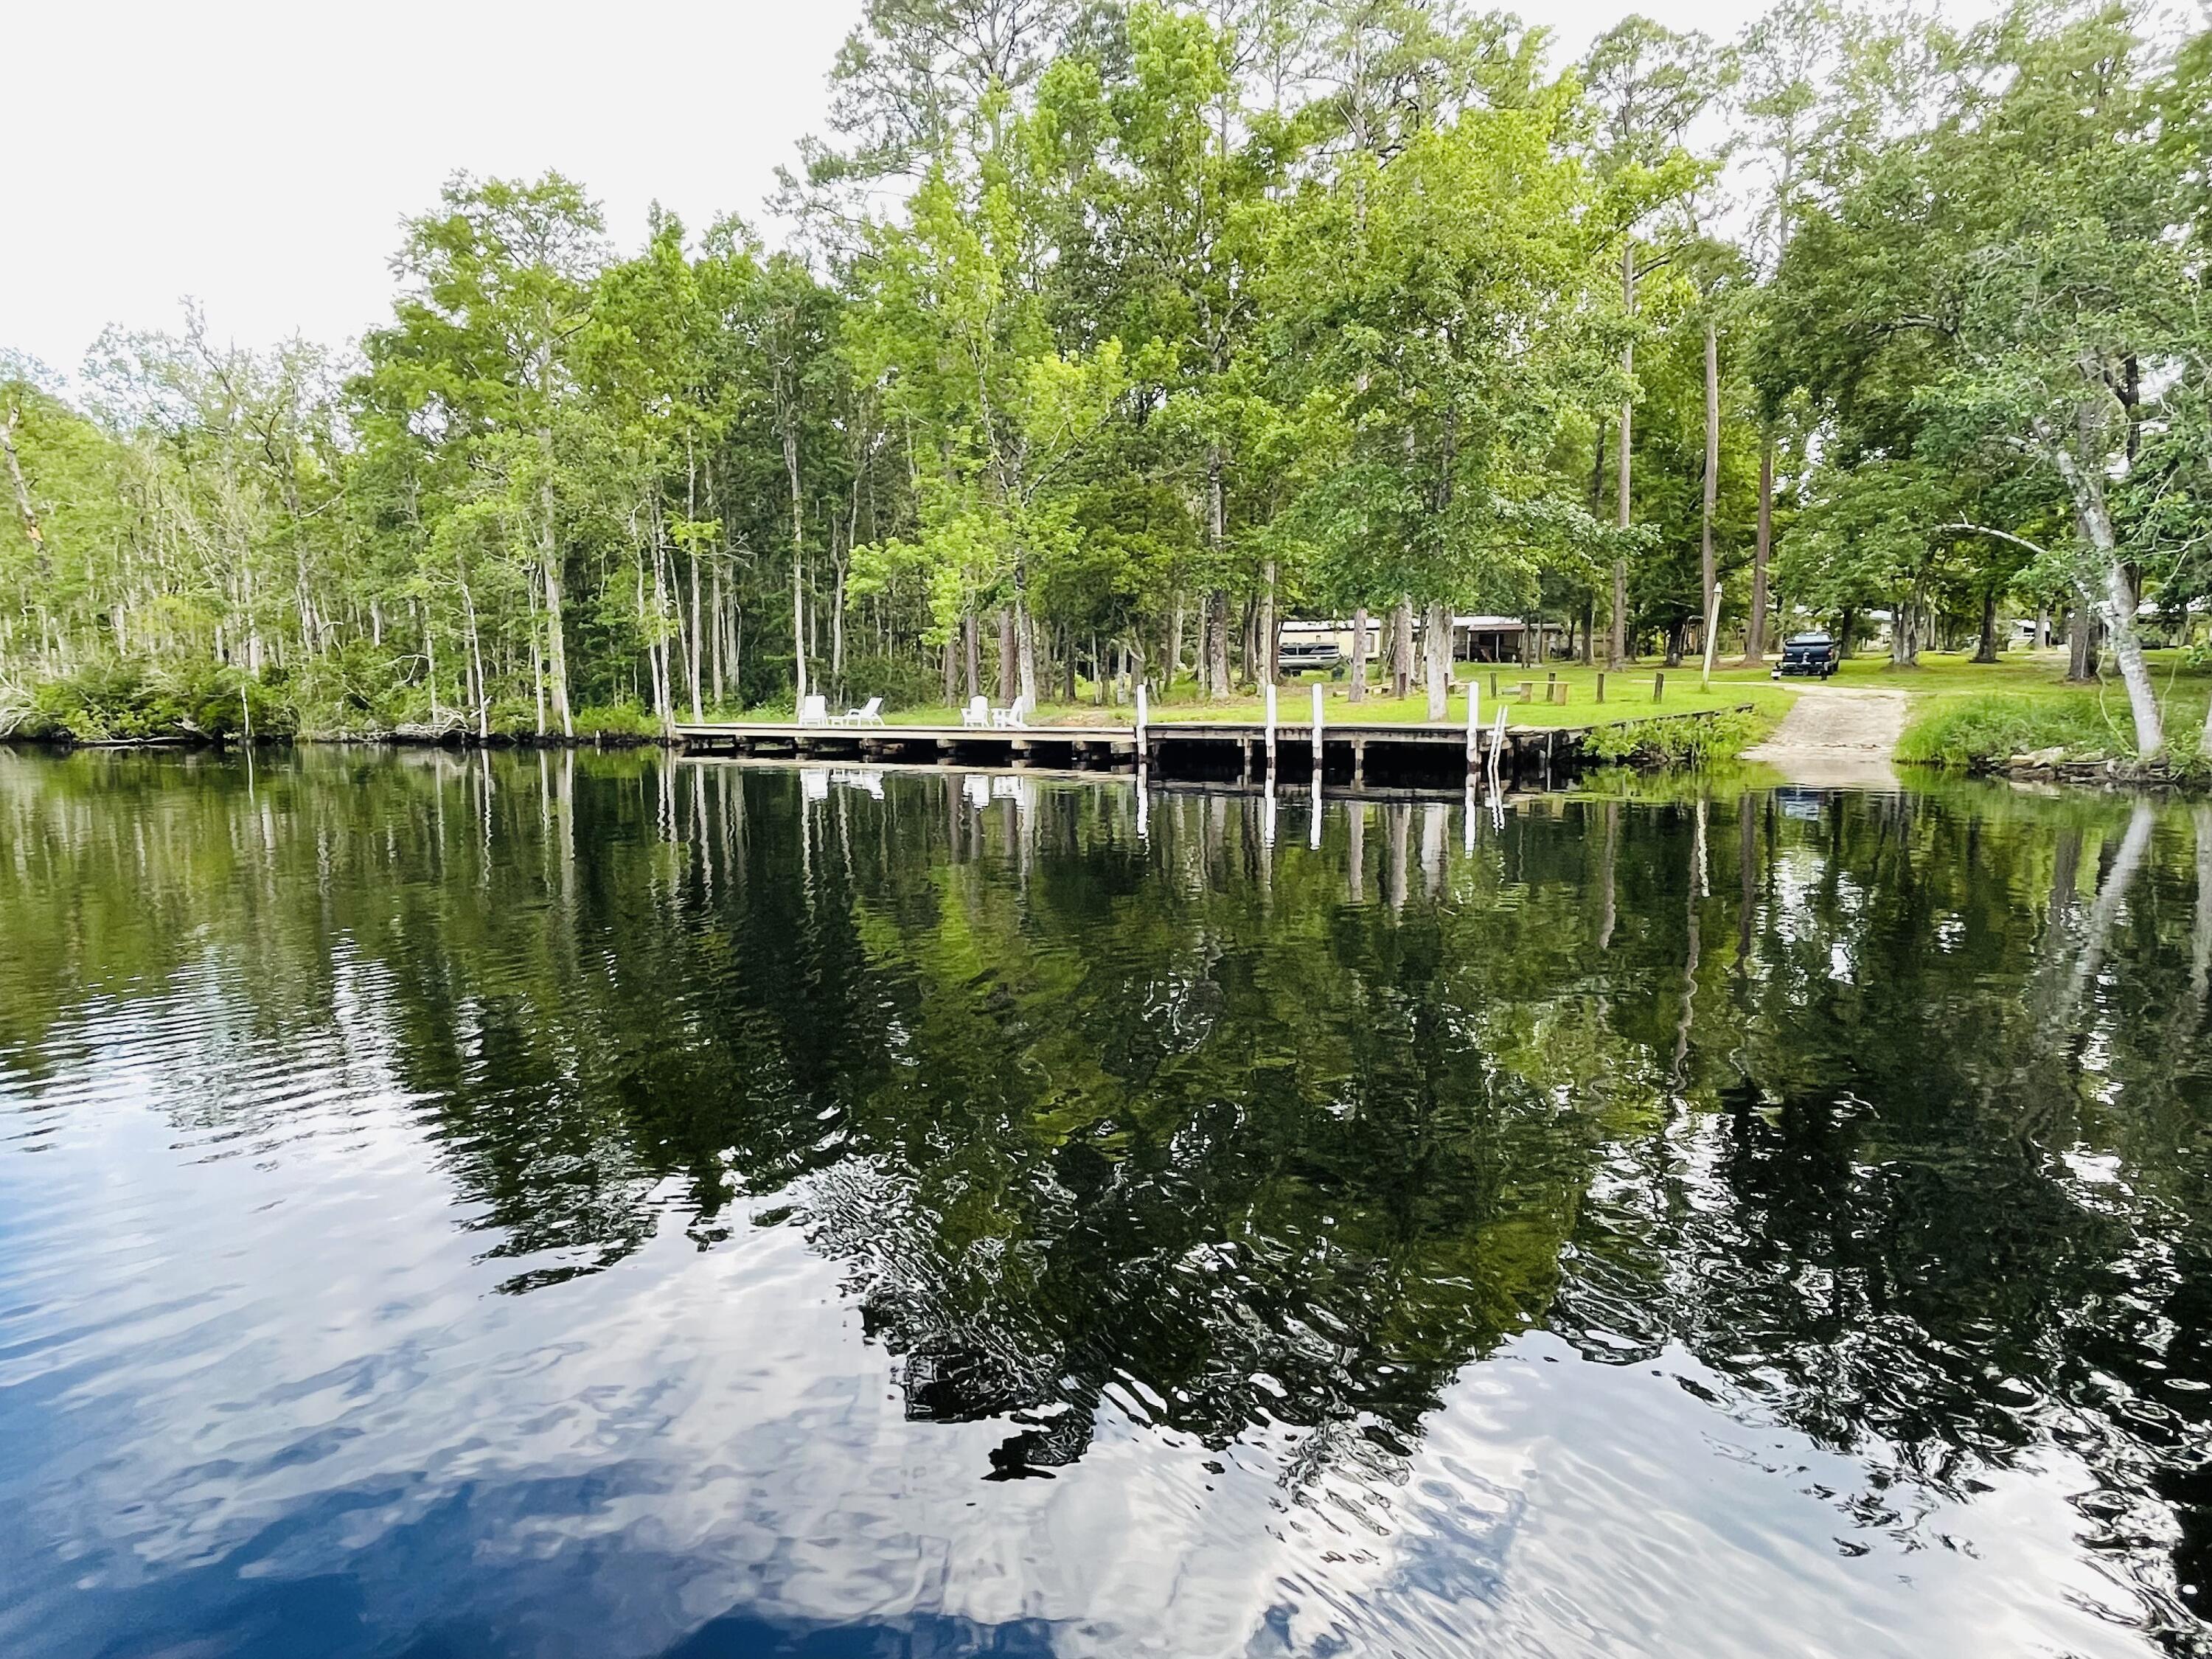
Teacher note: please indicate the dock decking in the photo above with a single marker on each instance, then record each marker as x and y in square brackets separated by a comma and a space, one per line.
[1351, 753]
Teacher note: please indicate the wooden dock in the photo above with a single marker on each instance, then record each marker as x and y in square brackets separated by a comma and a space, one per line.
[1352, 753]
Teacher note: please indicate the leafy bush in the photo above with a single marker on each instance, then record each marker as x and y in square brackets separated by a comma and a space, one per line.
[354, 690]
[629, 721]
[123, 702]
[1987, 728]
[1677, 742]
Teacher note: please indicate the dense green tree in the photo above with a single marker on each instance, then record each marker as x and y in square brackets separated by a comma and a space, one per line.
[1105, 321]
[1441, 314]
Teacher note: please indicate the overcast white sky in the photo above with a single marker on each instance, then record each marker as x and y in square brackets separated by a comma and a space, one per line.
[258, 156]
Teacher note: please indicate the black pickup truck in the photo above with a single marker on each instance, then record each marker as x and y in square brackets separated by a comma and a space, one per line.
[1808, 654]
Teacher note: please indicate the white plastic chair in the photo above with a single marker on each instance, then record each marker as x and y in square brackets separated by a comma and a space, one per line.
[1014, 714]
[870, 713]
[814, 711]
[977, 712]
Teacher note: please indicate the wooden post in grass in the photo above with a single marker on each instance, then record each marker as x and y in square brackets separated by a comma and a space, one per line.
[1600, 685]
[1658, 687]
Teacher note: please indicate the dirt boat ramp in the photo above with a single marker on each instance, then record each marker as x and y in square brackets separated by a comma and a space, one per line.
[1834, 738]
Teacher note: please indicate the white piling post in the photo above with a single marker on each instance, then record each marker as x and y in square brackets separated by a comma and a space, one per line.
[1313, 818]
[1271, 727]
[1316, 729]
[1142, 800]
[1474, 724]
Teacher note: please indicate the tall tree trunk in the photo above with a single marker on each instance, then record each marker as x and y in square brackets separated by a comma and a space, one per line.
[537, 661]
[787, 418]
[1357, 691]
[430, 664]
[1905, 635]
[1025, 628]
[692, 645]
[1762, 548]
[837, 625]
[41, 568]
[1270, 668]
[1401, 648]
[664, 692]
[1009, 688]
[2080, 644]
[971, 654]
[1987, 650]
[797, 629]
[1437, 656]
[475, 659]
[2118, 602]
[1213, 644]
[721, 637]
[1617, 646]
[1709, 577]
[549, 553]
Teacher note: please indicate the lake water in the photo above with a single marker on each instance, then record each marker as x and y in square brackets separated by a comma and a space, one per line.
[593, 1206]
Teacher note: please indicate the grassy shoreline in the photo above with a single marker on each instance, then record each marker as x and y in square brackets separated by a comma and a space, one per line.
[1964, 716]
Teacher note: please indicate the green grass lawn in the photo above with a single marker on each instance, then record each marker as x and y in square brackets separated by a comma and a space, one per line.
[1628, 696]
[1966, 712]
[1963, 711]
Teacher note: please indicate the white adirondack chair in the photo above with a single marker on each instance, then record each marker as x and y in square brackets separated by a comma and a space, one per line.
[870, 713]
[814, 710]
[1014, 714]
[977, 712]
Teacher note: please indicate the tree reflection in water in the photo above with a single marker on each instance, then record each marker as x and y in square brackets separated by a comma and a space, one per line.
[1902, 1133]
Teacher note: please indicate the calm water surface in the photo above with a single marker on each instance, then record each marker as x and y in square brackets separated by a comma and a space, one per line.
[598, 1206]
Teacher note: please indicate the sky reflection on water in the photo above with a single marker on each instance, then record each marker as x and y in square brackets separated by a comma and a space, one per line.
[572, 1205]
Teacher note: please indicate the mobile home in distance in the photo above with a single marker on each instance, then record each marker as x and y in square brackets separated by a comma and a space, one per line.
[1310, 644]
